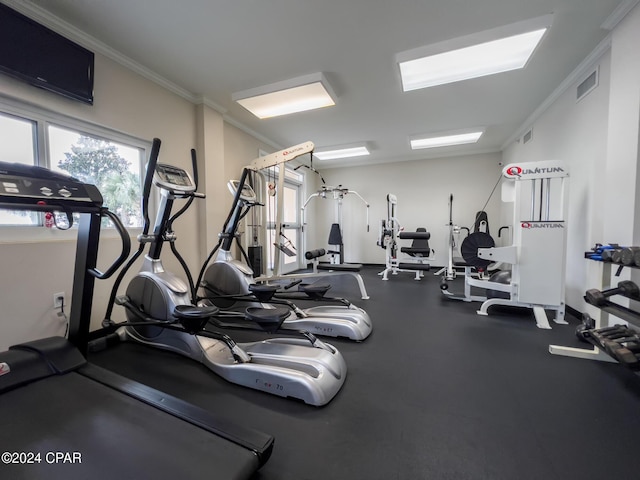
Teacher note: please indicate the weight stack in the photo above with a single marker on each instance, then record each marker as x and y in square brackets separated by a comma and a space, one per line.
[255, 258]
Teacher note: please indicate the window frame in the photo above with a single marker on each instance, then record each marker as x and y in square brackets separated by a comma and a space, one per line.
[42, 118]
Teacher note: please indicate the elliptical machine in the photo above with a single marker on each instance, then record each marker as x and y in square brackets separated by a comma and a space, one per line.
[227, 280]
[160, 313]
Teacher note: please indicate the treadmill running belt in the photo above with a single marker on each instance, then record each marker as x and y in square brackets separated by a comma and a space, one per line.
[115, 436]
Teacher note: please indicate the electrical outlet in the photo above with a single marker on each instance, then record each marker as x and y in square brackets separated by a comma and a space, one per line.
[58, 300]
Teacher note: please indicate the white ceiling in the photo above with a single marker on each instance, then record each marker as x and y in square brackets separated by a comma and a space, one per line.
[213, 48]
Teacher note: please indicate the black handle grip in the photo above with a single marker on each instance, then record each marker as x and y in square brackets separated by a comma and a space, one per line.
[126, 247]
[194, 165]
[148, 179]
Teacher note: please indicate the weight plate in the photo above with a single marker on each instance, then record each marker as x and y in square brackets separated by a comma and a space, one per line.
[470, 246]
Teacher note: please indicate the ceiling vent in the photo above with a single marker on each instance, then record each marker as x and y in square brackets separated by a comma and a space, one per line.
[587, 85]
[526, 138]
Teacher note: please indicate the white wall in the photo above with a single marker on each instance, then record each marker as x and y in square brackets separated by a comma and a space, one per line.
[423, 189]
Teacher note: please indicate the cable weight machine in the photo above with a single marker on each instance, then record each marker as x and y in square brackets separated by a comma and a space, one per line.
[335, 234]
[537, 255]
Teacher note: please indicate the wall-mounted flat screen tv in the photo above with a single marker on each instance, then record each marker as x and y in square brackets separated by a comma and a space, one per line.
[35, 54]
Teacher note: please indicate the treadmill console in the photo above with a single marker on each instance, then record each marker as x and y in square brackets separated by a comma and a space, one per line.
[247, 194]
[39, 186]
[173, 179]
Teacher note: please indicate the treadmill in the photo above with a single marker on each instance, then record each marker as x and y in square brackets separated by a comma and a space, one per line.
[62, 417]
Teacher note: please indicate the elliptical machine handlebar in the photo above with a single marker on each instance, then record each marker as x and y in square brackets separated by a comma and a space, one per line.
[148, 180]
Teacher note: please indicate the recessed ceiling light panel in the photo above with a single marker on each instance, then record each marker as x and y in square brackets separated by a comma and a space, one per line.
[445, 139]
[290, 96]
[486, 53]
[332, 153]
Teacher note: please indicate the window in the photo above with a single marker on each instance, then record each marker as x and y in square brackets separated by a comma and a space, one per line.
[291, 238]
[111, 161]
[112, 167]
[17, 144]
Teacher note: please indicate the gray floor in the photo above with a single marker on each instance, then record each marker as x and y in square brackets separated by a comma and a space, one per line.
[437, 392]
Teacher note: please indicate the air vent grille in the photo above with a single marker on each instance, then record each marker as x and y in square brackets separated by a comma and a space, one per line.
[526, 138]
[587, 85]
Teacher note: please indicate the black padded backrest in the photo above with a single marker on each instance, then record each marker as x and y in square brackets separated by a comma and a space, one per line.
[420, 242]
[335, 237]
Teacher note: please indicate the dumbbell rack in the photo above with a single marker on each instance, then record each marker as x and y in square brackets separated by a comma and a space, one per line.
[603, 345]
[620, 342]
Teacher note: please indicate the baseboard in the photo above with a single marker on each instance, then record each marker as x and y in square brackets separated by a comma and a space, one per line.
[573, 312]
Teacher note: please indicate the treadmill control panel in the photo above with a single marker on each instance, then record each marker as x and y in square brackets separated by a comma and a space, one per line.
[174, 179]
[36, 184]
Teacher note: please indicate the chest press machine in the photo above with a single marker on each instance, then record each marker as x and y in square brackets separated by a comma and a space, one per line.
[335, 233]
[537, 255]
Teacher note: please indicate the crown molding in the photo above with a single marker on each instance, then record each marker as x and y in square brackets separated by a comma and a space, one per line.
[567, 83]
[618, 14]
[363, 162]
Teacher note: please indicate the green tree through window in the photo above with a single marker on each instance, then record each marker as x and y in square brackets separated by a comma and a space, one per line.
[98, 162]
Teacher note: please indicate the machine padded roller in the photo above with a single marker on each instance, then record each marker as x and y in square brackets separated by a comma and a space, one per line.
[310, 255]
[341, 267]
[470, 246]
[414, 235]
[414, 266]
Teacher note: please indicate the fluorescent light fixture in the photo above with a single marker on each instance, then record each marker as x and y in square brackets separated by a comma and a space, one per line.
[289, 96]
[485, 53]
[445, 140]
[341, 152]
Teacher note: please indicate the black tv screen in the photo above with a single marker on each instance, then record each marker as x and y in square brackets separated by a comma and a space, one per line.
[33, 53]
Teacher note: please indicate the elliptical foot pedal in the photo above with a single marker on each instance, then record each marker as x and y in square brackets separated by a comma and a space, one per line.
[269, 319]
[194, 318]
[263, 293]
[314, 290]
